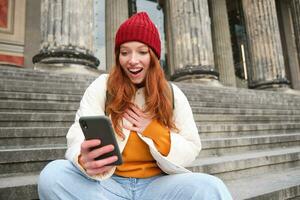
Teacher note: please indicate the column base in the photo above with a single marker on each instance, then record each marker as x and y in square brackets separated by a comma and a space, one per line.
[198, 79]
[206, 75]
[277, 84]
[69, 55]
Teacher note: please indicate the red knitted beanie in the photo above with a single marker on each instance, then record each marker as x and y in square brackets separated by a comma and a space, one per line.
[139, 28]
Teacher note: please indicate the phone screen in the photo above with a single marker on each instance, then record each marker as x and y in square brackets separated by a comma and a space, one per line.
[100, 127]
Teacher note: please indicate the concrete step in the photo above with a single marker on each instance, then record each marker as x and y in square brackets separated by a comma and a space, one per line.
[222, 95]
[21, 186]
[49, 78]
[275, 185]
[28, 159]
[27, 73]
[279, 185]
[244, 106]
[8, 119]
[29, 96]
[250, 104]
[79, 89]
[245, 119]
[48, 90]
[8, 72]
[42, 106]
[23, 105]
[243, 111]
[36, 84]
[20, 78]
[249, 163]
[249, 99]
[230, 146]
[195, 88]
[44, 83]
[22, 137]
[240, 129]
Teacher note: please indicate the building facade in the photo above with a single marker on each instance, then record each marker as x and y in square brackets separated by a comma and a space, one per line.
[237, 43]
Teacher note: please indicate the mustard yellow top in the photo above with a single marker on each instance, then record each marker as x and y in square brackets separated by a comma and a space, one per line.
[137, 159]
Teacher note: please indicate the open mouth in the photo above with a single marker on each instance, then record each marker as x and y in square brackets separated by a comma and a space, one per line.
[135, 71]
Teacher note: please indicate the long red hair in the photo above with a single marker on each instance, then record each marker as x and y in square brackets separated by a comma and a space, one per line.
[121, 91]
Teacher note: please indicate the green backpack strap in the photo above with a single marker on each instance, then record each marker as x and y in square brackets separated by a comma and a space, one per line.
[107, 96]
[172, 97]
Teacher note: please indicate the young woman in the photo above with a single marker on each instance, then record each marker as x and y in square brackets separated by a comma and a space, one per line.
[156, 139]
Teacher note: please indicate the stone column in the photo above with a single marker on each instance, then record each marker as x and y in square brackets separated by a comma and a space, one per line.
[295, 10]
[67, 33]
[288, 43]
[116, 12]
[169, 37]
[267, 70]
[222, 42]
[192, 50]
[32, 31]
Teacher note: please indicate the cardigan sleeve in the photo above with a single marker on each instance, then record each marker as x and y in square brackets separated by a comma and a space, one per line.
[92, 103]
[185, 144]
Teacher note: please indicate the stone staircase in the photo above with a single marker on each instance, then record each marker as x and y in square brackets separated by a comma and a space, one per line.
[36, 110]
[251, 139]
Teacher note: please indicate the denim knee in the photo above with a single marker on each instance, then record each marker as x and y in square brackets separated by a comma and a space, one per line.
[212, 185]
[50, 175]
[213, 181]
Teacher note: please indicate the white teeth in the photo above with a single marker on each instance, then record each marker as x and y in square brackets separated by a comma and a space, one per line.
[134, 70]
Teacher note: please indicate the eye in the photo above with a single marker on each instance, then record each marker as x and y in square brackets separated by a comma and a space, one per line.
[123, 53]
[144, 52]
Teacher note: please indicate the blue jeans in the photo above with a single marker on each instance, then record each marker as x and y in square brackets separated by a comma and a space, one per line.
[60, 179]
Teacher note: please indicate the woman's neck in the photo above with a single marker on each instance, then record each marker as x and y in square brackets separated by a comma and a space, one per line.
[140, 85]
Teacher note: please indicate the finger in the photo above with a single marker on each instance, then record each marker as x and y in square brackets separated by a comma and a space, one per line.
[101, 170]
[88, 144]
[100, 163]
[132, 114]
[81, 160]
[131, 128]
[100, 151]
[130, 119]
[138, 111]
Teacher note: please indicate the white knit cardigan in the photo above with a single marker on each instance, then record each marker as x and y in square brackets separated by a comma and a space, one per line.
[185, 144]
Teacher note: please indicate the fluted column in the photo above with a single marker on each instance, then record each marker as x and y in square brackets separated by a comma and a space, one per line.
[267, 70]
[116, 12]
[169, 36]
[295, 10]
[67, 32]
[222, 43]
[191, 40]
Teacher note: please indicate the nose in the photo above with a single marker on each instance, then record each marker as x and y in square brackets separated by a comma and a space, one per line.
[133, 59]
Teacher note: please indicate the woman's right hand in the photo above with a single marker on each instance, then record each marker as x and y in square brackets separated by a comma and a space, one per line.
[87, 157]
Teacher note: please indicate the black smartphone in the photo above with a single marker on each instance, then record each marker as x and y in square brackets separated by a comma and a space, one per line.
[100, 127]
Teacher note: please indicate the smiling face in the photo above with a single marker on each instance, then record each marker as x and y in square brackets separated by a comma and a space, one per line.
[135, 61]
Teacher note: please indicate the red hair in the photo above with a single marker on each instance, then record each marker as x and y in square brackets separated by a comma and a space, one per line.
[157, 93]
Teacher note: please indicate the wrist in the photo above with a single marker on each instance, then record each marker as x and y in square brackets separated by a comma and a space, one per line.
[80, 161]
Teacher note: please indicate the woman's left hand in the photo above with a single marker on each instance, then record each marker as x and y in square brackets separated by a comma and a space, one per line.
[139, 120]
